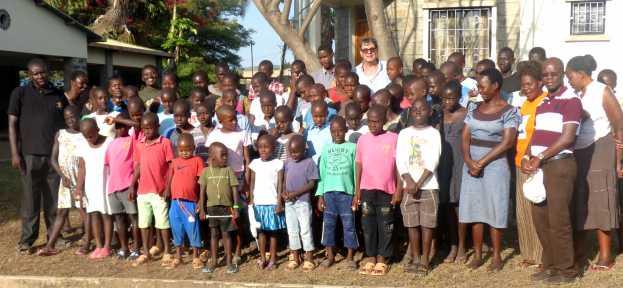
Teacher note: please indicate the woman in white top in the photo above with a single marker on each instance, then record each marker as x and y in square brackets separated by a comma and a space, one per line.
[596, 200]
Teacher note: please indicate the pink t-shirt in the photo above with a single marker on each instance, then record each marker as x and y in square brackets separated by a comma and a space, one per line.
[154, 159]
[120, 163]
[377, 156]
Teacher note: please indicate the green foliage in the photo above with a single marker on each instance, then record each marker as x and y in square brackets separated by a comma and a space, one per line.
[184, 29]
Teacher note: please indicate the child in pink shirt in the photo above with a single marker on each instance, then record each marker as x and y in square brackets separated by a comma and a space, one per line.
[376, 190]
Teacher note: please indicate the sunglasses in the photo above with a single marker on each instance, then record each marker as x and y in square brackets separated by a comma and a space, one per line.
[368, 50]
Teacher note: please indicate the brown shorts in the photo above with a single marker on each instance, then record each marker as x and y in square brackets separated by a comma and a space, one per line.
[225, 224]
[422, 211]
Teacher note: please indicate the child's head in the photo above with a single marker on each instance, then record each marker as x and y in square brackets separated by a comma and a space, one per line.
[296, 147]
[396, 91]
[436, 80]
[338, 130]
[297, 69]
[71, 114]
[259, 82]
[341, 71]
[608, 77]
[185, 145]
[268, 101]
[450, 95]
[420, 112]
[325, 56]
[227, 117]
[221, 70]
[451, 71]
[377, 115]
[265, 146]
[122, 130]
[197, 97]
[169, 80]
[317, 92]
[415, 87]
[382, 98]
[136, 108]
[229, 81]
[352, 112]
[319, 110]
[150, 125]
[89, 130]
[168, 96]
[427, 69]
[149, 75]
[130, 91]
[394, 68]
[218, 155]
[205, 112]
[181, 113]
[350, 83]
[362, 97]
[417, 66]
[115, 90]
[99, 99]
[283, 119]
[200, 80]
[229, 98]
[302, 85]
[266, 67]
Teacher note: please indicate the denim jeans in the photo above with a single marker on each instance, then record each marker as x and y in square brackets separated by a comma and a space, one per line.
[298, 222]
[338, 204]
[377, 219]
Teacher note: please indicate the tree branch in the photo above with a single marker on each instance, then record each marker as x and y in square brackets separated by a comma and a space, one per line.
[286, 12]
[308, 18]
[274, 6]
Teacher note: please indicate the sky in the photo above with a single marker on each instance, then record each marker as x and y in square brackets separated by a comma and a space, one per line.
[267, 42]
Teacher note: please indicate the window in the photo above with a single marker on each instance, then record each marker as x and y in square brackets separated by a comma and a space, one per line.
[466, 30]
[588, 17]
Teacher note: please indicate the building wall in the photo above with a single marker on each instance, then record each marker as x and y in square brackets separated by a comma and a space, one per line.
[546, 23]
[34, 30]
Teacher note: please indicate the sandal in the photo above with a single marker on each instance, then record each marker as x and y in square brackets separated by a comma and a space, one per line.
[140, 261]
[174, 263]
[308, 266]
[380, 269]
[166, 260]
[421, 270]
[154, 251]
[204, 256]
[410, 267]
[47, 252]
[197, 263]
[601, 268]
[525, 263]
[292, 262]
[271, 266]
[367, 268]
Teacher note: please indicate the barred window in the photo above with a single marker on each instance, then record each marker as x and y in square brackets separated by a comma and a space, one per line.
[588, 17]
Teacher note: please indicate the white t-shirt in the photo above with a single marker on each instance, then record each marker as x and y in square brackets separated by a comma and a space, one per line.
[256, 106]
[96, 175]
[376, 81]
[597, 124]
[419, 149]
[235, 143]
[266, 178]
[105, 129]
[357, 133]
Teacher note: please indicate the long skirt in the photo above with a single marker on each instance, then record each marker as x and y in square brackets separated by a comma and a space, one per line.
[529, 245]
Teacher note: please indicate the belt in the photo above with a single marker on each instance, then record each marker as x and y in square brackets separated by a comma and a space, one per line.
[483, 143]
[559, 157]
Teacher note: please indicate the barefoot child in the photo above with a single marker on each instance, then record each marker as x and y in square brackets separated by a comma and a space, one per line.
[121, 168]
[377, 191]
[266, 186]
[92, 185]
[417, 157]
[183, 190]
[300, 175]
[335, 190]
[65, 160]
[152, 157]
[219, 200]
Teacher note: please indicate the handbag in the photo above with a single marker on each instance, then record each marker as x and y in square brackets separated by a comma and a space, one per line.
[533, 188]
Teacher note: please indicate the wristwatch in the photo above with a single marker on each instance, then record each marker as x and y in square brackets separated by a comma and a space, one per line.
[540, 156]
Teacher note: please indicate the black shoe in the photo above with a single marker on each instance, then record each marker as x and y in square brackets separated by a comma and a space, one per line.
[559, 280]
[542, 275]
[24, 249]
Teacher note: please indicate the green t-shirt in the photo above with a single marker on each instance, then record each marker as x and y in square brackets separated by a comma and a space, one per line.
[337, 169]
[219, 183]
[148, 93]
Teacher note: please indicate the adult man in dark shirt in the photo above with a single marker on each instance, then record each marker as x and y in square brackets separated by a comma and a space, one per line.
[506, 59]
[35, 115]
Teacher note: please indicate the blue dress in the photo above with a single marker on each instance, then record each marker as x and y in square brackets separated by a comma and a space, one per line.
[485, 199]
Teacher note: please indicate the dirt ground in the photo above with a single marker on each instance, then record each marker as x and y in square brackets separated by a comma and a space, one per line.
[68, 264]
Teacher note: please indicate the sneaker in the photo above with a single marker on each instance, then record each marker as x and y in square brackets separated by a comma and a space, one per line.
[208, 269]
[122, 255]
[232, 269]
[134, 254]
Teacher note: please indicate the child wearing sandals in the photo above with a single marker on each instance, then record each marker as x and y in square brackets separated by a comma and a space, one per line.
[64, 160]
[219, 200]
[183, 190]
[266, 186]
[417, 156]
[300, 175]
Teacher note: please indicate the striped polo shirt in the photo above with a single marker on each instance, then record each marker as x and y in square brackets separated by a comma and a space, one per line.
[558, 108]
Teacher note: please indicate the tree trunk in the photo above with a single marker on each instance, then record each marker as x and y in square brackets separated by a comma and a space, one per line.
[113, 23]
[327, 26]
[375, 12]
[284, 49]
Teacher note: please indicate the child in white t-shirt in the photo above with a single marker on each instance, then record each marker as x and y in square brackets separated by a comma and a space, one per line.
[99, 99]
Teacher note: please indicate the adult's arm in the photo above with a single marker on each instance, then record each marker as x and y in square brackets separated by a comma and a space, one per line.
[508, 141]
[16, 158]
[615, 116]
[566, 139]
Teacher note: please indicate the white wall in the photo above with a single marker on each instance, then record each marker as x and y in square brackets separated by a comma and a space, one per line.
[35, 30]
[545, 23]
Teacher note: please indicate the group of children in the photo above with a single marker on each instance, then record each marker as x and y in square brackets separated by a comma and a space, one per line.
[151, 164]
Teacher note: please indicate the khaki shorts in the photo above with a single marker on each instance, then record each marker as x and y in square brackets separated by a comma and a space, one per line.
[152, 205]
[420, 212]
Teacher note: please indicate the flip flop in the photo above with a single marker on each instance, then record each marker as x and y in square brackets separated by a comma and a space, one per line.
[420, 270]
[380, 269]
[47, 252]
[602, 268]
[308, 266]
[366, 269]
